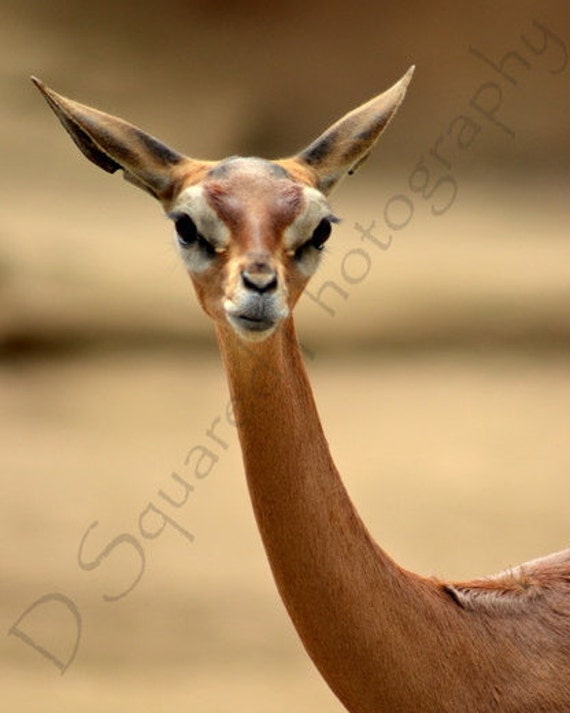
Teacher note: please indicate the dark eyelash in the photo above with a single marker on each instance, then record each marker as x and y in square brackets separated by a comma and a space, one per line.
[319, 237]
[188, 234]
[321, 234]
[186, 230]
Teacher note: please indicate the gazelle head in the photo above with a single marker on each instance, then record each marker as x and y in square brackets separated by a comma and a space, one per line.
[249, 231]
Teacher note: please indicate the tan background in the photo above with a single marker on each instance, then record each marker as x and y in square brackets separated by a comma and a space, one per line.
[443, 376]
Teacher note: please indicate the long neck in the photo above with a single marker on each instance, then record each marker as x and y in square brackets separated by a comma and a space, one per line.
[361, 618]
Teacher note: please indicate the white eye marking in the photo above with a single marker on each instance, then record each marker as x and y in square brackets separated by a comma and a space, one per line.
[200, 233]
[305, 237]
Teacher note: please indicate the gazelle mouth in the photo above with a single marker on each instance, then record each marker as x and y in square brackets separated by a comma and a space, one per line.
[246, 323]
[255, 318]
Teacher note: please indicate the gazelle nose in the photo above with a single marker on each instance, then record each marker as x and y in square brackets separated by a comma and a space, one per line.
[259, 277]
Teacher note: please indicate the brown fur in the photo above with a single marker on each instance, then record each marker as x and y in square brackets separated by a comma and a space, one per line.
[385, 640]
[252, 196]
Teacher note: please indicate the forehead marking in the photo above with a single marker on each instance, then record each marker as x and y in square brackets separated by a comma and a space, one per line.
[253, 192]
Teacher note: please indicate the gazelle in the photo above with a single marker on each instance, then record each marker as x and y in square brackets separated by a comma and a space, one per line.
[250, 233]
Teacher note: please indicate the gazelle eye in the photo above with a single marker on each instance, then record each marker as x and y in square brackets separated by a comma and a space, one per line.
[186, 230]
[188, 235]
[317, 240]
[321, 234]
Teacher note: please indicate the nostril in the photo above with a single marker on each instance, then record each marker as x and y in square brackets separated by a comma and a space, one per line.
[259, 278]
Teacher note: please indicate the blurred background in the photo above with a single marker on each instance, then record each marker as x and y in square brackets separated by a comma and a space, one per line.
[440, 362]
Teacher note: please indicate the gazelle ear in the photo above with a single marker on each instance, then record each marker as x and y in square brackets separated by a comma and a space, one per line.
[112, 144]
[343, 147]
